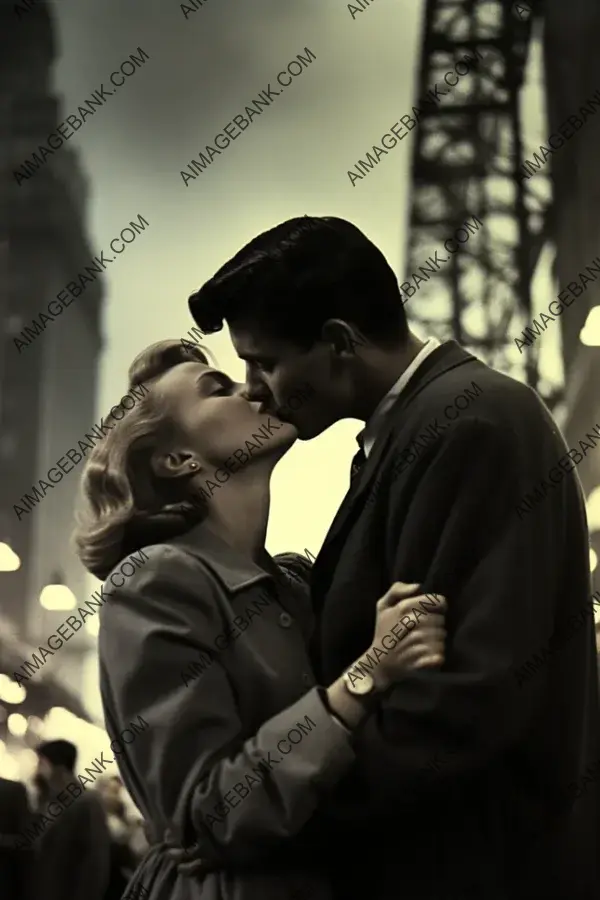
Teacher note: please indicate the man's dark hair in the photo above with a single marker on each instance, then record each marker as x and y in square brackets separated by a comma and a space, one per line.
[291, 279]
[59, 753]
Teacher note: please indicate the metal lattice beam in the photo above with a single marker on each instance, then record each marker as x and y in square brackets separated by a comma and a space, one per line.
[466, 163]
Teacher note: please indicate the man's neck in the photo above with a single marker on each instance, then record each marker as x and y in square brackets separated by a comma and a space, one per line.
[383, 370]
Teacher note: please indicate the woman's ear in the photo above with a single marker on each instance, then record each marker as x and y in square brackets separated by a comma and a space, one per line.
[174, 464]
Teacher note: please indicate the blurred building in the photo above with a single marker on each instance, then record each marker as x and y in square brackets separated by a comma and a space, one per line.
[48, 387]
[573, 77]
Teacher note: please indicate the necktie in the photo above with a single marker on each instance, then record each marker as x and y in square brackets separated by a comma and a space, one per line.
[358, 461]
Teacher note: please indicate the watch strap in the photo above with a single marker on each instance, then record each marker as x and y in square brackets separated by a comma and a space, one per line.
[334, 715]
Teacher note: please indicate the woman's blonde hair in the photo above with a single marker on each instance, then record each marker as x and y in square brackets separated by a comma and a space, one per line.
[127, 506]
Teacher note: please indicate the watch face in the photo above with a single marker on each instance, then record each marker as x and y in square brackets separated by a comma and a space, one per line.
[359, 683]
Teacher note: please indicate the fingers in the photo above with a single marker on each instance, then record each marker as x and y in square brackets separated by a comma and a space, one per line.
[421, 656]
[427, 639]
[398, 591]
[191, 868]
[428, 634]
[401, 591]
[425, 603]
[430, 662]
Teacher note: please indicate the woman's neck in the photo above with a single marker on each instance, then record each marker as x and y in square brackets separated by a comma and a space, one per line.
[240, 516]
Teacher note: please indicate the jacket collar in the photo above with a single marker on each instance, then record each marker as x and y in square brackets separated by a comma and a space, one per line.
[233, 570]
[445, 358]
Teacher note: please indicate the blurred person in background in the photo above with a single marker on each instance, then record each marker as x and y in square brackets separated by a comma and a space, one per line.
[123, 861]
[15, 863]
[140, 837]
[73, 851]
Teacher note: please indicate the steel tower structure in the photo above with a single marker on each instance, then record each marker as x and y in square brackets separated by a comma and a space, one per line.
[467, 162]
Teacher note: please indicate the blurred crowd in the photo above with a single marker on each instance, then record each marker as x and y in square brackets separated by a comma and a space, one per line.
[60, 842]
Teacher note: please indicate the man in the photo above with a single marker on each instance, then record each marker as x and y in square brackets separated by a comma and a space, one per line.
[469, 784]
[15, 863]
[73, 850]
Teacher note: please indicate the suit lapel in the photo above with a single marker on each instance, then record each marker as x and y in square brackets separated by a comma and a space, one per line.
[442, 360]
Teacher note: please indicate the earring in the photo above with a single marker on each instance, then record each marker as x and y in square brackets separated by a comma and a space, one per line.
[193, 465]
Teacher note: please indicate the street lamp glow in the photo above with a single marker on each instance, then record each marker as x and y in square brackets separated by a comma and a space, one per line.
[17, 724]
[93, 626]
[593, 510]
[10, 691]
[9, 561]
[590, 333]
[57, 597]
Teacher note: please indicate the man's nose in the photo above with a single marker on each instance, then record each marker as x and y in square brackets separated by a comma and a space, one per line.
[254, 391]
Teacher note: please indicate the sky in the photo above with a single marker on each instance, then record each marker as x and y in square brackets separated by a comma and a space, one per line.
[292, 161]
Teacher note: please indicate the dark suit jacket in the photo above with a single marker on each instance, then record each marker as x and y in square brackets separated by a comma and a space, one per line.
[73, 853]
[211, 652]
[15, 865]
[469, 781]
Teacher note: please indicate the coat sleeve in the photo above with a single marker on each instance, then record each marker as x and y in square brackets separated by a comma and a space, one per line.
[237, 794]
[459, 535]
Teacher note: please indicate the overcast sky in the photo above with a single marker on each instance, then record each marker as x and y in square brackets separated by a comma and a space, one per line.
[293, 160]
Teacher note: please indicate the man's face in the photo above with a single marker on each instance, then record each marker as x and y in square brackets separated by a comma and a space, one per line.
[43, 774]
[298, 386]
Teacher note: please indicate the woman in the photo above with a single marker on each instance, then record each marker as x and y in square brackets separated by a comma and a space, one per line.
[205, 644]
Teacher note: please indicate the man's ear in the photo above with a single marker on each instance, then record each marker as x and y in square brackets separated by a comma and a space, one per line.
[342, 336]
[174, 464]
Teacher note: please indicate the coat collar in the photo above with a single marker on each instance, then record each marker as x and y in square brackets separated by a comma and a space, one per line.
[445, 358]
[233, 570]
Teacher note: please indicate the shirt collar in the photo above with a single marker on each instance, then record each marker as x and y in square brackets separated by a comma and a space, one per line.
[367, 437]
[233, 571]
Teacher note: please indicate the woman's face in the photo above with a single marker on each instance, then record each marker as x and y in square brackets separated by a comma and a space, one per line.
[215, 421]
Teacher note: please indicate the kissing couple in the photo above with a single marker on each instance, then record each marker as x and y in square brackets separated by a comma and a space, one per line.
[355, 727]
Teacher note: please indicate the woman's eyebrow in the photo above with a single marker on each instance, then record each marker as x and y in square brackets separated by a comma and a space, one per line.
[215, 375]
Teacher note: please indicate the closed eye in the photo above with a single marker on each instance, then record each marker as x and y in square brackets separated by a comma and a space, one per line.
[223, 384]
[211, 384]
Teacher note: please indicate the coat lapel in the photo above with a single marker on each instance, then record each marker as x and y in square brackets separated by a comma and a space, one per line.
[442, 360]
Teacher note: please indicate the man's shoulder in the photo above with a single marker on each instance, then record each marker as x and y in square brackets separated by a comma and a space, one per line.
[472, 392]
[12, 789]
[87, 806]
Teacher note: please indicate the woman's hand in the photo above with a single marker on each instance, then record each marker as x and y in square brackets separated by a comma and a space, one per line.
[404, 641]
[188, 860]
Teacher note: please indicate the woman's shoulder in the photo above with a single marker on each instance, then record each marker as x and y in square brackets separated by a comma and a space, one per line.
[151, 562]
[163, 577]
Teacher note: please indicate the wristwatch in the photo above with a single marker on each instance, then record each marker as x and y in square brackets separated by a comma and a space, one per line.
[357, 683]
